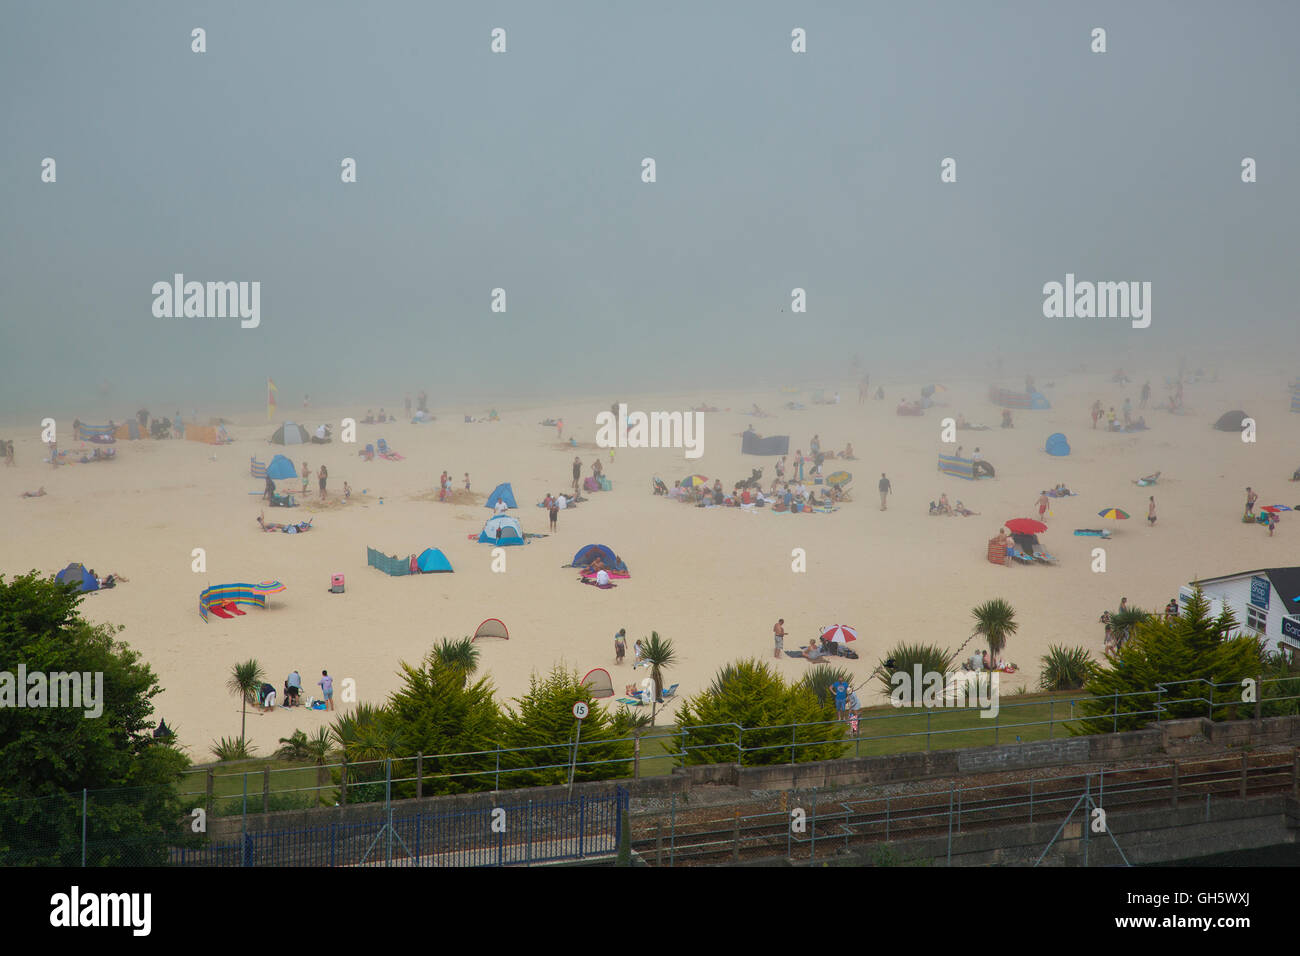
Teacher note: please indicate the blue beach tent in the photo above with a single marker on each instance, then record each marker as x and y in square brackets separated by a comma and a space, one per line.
[432, 561]
[588, 553]
[511, 532]
[78, 575]
[280, 468]
[502, 492]
[1058, 446]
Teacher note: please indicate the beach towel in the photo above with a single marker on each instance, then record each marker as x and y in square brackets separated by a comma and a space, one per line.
[603, 587]
[621, 575]
[1092, 532]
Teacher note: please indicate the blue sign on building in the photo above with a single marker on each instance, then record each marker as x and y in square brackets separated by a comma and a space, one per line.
[1259, 589]
[1291, 628]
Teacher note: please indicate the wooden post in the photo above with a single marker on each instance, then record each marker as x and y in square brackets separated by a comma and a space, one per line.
[266, 789]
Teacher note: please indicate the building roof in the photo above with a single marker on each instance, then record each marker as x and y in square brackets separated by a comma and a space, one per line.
[1285, 581]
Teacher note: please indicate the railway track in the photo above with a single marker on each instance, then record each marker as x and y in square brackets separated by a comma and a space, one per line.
[766, 829]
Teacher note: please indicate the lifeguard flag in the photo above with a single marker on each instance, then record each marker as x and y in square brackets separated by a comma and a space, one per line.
[270, 399]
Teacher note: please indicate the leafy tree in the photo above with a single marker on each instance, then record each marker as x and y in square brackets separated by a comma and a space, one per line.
[995, 621]
[1193, 657]
[752, 694]
[437, 710]
[49, 754]
[544, 716]
[232, 748]
[244, 682]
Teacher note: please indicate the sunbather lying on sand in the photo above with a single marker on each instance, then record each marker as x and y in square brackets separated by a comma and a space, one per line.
[38, 493]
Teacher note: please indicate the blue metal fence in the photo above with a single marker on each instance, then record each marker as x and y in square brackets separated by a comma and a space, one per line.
[521, 833]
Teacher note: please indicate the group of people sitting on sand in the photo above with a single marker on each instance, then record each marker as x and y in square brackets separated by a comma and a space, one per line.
[781, 496]
[942, 507]
[981, 661]
[383, 418]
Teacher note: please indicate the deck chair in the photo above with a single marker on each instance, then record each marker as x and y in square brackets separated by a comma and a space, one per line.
[629, 702]
[383, 447]
[1044, 557]
[368, 453]
[669, 692]
[1018, 555]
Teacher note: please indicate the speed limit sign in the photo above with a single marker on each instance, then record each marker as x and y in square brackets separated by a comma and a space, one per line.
[580, 709]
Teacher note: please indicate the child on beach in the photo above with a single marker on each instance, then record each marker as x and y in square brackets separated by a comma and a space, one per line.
[620, 645]
[306, 478]
[347, 491]
[467, 481]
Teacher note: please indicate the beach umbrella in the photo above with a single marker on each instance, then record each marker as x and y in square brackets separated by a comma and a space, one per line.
[839, 478]
[839, 633]
[1025, 526]
[1117, 513]
[1275, 508]
[694, 481]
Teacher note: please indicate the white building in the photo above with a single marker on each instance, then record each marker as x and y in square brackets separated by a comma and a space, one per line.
[1265, 602]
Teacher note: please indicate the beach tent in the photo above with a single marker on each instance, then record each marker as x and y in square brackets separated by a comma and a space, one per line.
[1230, 421]
[432, 561]
[78, 575]
[599, 683]
[588, 553]
[502, 492]
[751, 444]
[511, 532]
[1057, 445]
[290, 434]
[280, 468]
[100, 434]
[493, 628]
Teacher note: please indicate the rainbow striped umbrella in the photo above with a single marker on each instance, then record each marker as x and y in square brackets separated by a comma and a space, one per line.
[1118, 513]
[268, 587]
[694, 481]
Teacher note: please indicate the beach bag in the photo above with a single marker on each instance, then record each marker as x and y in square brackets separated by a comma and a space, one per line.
[605, 483]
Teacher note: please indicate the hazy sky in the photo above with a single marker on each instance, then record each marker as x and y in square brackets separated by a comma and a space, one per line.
[522, 170]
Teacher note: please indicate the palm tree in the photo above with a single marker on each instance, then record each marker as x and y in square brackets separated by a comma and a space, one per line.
[459, 655]
[995, 620]
[318, 749]
[659, 654]
[245, 681]
[1122, 622]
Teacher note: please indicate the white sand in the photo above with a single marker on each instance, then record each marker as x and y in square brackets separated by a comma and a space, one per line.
[714, 581]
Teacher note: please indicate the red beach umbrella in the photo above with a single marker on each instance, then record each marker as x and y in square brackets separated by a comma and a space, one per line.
[1025, 526]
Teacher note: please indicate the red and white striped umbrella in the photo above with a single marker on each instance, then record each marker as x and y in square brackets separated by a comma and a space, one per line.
[839, 634]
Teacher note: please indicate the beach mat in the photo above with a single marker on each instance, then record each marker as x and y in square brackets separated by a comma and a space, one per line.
[214, 609]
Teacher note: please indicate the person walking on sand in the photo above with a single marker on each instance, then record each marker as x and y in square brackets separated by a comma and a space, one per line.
[554, 513]
[1096, 412]
[559, 429]
[1272, 523]
[322, 476]
[306, 478]
[885, 489]
[1042, 506]
[1251, 498]
[1151, 512]
[620, 645]
[577, 473]
[778, 634]
[1146, 395]
[327, 689]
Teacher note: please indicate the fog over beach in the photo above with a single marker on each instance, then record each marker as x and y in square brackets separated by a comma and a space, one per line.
[893, 202]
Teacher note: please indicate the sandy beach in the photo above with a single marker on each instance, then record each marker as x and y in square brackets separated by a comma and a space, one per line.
[712, 580]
